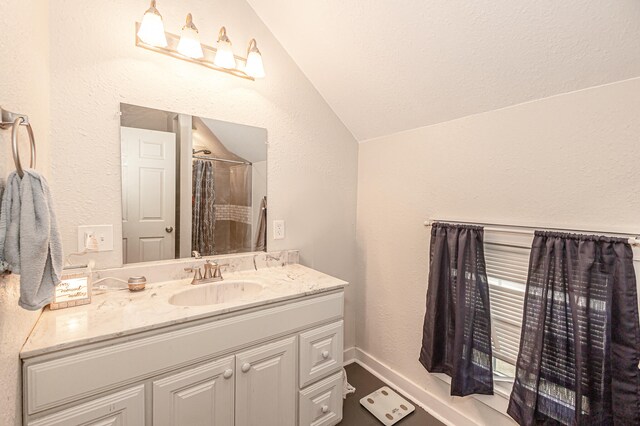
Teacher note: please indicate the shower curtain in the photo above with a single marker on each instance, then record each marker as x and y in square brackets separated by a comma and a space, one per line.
[203, 210]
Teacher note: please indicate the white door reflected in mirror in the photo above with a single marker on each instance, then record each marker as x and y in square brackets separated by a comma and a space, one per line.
[149, 194]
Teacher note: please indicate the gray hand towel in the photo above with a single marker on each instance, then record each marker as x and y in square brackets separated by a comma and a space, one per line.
[29, 238]
[4, 266]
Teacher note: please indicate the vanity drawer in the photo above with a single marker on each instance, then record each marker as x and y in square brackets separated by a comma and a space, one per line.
[321, 403]
[320, 352]
[124, 408]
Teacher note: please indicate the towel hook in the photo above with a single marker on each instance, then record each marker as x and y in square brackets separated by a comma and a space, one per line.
[15, 120]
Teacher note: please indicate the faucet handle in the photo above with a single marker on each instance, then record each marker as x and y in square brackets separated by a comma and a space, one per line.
[217, 273]
[197, 273]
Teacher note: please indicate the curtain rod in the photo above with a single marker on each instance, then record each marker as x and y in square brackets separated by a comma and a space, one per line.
[634, 239]
[202, 157]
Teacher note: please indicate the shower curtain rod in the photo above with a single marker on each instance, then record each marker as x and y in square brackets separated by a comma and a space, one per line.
[634, 239]
[202, 157]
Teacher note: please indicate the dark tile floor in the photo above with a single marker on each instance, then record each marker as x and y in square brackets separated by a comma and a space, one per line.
[355, 414]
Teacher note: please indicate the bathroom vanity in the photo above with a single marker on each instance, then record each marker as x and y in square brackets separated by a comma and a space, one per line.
[262, 347]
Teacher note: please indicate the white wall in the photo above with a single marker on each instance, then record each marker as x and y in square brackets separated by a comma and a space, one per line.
[244, 141]
[566, 161]
[95, 65]
[24, 83]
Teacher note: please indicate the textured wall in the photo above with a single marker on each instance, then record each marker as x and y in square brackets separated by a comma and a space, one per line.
[15, 325]
[389, 66]
[24, 85]
[95, 65]
[566, 161]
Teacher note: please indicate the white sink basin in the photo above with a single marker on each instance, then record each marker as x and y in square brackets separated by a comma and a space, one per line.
[216, 293]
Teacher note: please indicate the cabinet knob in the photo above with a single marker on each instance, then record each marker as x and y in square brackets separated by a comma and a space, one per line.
[325, 354]
[246, 367]
[227, 373]
[324, 408]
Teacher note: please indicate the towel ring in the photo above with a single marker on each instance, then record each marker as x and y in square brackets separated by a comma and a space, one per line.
[14, 120]
[14, 145]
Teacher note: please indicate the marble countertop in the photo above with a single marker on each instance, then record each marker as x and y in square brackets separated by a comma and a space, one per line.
[120, 313]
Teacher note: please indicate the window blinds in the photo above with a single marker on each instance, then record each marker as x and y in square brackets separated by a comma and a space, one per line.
[507, 267]
[508, 263]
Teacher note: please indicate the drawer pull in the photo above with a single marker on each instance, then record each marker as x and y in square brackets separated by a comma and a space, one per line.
[325, 354]
[246, 367]
[324, 409]
[227, 373]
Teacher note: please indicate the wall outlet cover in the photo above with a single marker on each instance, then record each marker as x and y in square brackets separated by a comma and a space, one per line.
[278, 229]
[103, 233]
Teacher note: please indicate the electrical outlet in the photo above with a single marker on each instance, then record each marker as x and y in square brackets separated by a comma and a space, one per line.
[278, 229]
[103, 233]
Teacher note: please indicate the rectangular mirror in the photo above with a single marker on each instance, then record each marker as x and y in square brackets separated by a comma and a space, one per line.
[190, 184]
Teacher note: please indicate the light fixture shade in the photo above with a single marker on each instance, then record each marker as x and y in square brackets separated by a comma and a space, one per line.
[254, 66]
[189, 44]
[151, 29]
[224, 52]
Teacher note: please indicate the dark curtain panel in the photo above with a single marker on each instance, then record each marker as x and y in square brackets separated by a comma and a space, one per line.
[579, 349]
[203, 210]
[456, 337]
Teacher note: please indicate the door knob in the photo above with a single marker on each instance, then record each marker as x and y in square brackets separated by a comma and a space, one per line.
[324, 408]
[227, 373]
[169, 229]
[246, 367]
[325, 354]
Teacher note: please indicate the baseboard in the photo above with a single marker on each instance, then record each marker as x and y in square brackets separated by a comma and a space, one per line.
[349, 355]
[430, 403]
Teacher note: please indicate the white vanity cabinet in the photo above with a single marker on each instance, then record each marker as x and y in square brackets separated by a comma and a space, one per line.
[274, 365]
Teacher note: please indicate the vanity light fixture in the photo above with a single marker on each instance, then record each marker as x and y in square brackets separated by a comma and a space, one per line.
[189, 44]
[224, 55]
[152, 29]
[254, 66]
[150, 35]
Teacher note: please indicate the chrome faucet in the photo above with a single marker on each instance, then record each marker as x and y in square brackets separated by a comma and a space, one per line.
[212, 273]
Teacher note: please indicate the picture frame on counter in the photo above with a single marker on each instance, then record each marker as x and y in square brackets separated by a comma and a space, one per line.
[73, 290]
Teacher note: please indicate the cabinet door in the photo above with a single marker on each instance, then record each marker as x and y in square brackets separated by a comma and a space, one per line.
[124, 408]
[266, 385]
[201, 396]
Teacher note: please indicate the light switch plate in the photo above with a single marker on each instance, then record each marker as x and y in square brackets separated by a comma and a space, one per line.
[104, 234]
[278, 229]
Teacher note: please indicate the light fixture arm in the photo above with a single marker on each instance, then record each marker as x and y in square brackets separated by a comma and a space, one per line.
[189, 24]
[222, 36]
[153, 9]
[253, 46]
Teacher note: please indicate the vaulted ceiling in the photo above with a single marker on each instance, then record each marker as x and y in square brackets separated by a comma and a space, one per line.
[386, 66]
